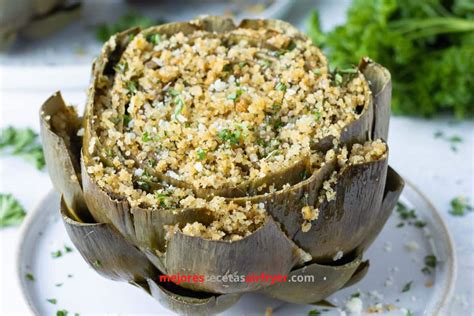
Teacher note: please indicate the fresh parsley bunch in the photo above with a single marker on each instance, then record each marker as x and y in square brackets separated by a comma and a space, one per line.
[428, 46]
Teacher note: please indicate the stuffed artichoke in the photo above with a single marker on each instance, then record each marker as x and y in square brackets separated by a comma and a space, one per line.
[212, 149]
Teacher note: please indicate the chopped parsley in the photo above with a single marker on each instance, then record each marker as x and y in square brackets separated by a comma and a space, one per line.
[460, 206]
[407, 287]
[231, 137]
[173, 92]
[154, 38]
[132, 87]
[146, 137]
[317, 115]
[162, 197]
[201, 153]
[97, 263]
[56, 254]
[314, 312]
[179, 106]
[235, 95]
[58, 284]
[11, 211]
[265, 63]
[280, 86]
[52, 301]
[29, 277]
[67, 249]
[121, 67]
[62, 312]
[408, 216]
[430, 261]
[356, 294]
[126, 119]
[453, 140]
[24, 143]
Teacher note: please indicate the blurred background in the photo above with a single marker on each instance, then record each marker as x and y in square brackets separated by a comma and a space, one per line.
[49, 45]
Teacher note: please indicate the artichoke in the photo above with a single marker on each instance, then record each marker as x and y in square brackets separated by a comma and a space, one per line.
[210, 149]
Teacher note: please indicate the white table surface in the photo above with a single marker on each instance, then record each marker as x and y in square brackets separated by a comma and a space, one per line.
[414, 151]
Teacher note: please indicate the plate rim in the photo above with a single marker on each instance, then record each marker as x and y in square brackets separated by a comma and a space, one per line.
[441, 305]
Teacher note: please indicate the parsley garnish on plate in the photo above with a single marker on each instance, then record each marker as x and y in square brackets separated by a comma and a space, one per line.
[56, 254]
[52, 301]
[453, 140]
[24, 143]
[314, 312]
[62, 312]
[29, 277]
[460, 206]
[407, 287]
[11, 212]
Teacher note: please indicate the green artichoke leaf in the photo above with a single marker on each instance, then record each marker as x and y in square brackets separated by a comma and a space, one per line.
[113, 257]
[345, 221]
[187, 302]
[392, 191]
[107, 251]
[266, 250]
[327, 280]
[285, 205]
[381, 86]
[59, 125]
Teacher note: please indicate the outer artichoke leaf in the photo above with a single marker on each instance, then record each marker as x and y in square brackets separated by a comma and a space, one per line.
[359, 274]
[344, 223]
[105, 250]
[327, 280]
[285, 205]
[106, 208]
[381, 85]
[265, 250]
[61, 145]
[276, 25]
[393, 188]
[187, 302]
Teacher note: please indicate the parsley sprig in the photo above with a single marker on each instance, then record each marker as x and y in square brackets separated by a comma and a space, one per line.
[24, 143]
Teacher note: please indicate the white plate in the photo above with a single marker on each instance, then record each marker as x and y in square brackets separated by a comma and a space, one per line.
[392, 266]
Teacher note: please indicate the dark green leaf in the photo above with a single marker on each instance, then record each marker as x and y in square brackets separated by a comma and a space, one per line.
[52, 300]
[29, 277]
[407, 287]
[11, 212]
[56, 254]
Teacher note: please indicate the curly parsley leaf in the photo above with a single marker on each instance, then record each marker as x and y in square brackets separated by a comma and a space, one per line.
[24, 143]
[427, 45]
[460, 206]
[11, 212]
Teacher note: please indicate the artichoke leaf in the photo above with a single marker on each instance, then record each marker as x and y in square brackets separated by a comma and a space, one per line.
[327, 280]
[102, 69]
[107, 251]
[265, 250]
[359, 274]
[392, 191]
[285, 205]
[187, 302]
[381, 86]
[345, 221]
[59, 125]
